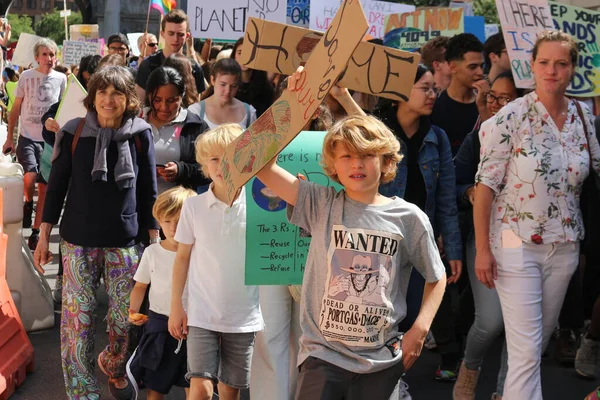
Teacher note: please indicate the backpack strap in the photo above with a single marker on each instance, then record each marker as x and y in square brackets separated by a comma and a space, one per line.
[77, 135]
[247, 107]
[585, 130]
[202, 110]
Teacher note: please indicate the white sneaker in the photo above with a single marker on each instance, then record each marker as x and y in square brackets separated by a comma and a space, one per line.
[403, 390]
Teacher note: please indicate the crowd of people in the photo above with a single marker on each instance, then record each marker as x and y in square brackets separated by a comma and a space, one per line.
[466, 212]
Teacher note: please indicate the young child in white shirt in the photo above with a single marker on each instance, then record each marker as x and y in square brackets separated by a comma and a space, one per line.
[224, 316]
[160, 360]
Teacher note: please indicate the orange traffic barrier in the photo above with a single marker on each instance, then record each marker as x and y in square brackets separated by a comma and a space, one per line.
[16, 351]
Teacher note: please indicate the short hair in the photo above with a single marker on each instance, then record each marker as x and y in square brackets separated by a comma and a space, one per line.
[168, 204]
[461, 44]
[434, 50]
[494, 44]
[226, 66]
[121, 79]
[214, 142]
[47, 43]
[554, 35]
[111, 59]
[163, 76]
[175, 16]
[362, 134]
[145, 36]
[183, 65]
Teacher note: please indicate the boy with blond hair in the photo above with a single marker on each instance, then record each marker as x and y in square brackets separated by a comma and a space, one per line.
[160, 361]
[363, 248]
[222, 321]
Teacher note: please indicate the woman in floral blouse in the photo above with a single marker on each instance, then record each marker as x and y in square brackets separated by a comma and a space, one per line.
[534, 158]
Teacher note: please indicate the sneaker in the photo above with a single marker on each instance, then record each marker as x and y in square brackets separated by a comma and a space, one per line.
[443, 373]
[595, 395]
[496, 396]
[566, 347]
[33, 239]
[57, 292]
[586, 359]
[120, 388]
[429, 341]
[403, 390]
[27, 214]
[466, 383]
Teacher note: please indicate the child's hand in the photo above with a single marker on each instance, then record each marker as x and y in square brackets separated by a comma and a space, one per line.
[52, 125]
[137, 318]
[178, 322]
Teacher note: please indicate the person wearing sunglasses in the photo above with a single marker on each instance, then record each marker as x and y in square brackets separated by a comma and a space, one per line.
[147, 44]
[425, 177]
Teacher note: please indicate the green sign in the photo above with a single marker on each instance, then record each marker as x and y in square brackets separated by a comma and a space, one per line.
[276, 250]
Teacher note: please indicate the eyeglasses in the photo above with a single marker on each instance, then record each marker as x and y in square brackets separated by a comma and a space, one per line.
[490, 98]
[117, 49]
[152, 44]
[429, 90]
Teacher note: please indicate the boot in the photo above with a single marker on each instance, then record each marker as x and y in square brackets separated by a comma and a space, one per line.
[466, 383]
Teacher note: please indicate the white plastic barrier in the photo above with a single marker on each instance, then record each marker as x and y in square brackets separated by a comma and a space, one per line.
[30, 291]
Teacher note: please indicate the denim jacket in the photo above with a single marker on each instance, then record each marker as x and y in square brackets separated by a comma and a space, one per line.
[435, 159]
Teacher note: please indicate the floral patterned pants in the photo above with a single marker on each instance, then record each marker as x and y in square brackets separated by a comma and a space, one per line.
[83, 267]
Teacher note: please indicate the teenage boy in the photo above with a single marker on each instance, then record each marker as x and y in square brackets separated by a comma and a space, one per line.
[223, 314]
[495, 56]
[433, 55]
[36, 91]
[363, 248]
[458, 108]
[174, 29]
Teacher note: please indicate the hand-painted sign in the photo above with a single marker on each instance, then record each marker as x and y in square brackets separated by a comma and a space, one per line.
[298, 13]
[73, 51]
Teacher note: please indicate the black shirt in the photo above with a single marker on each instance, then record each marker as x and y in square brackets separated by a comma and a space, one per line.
[455, 118]
[156, 60]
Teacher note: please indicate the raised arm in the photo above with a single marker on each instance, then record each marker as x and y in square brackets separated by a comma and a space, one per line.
[281, 182]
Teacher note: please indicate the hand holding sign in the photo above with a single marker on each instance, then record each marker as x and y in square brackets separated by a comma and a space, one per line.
[285, 119]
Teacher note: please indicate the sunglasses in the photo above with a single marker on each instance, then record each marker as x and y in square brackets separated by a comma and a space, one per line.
[152, 44]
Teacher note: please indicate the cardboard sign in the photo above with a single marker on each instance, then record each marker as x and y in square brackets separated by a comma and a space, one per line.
[72, 51]
[133, 42]
[323, 11]
[84, 33]
[410, 31]
[298, 13]
[23, 55]
[491, 29]
[71, 105]
[374, 69]
[272, 132]
[226, 19]
[521, 21]
[584, 26]
[276, 250]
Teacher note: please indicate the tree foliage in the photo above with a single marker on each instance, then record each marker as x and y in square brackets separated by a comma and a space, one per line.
[53, 25]
[19, 24]
[486, 9]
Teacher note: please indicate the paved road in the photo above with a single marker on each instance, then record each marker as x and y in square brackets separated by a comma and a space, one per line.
[46, 383]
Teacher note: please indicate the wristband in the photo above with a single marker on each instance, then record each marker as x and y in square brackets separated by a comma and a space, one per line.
[155, 240]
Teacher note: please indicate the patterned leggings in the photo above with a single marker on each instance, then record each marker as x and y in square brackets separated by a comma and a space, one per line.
[83, 267]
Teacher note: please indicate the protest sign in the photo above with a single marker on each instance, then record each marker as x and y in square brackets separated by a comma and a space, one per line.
[84, 33]
[72, 51]
[476, 26]
[467, 6]
[584, 26]
[272, 132]
[23, 55]
[226, 19]
[410, 31]
[378, 70]
[298, 13]
[323, 11]
[276, 250]
[71, 105]
[521, 21]
[491, 29]
[133, 42]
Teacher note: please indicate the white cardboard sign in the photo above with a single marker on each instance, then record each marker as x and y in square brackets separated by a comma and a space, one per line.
[73, 51]
[71, 106]
[23, 55]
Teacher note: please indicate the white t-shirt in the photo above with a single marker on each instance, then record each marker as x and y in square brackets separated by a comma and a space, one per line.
[156, 267]
[218, 298]
[39, 91]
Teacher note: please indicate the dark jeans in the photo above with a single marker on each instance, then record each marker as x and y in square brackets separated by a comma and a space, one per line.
[320, 380]
[572, 313]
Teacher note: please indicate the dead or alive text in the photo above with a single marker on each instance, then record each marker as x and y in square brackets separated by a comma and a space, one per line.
[365, 242]
[352, 317]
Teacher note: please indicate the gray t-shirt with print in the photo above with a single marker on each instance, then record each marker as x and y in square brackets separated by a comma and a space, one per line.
[356, 276]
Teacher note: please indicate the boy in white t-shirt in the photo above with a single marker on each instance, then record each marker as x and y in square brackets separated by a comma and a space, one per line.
[160, 360]
[224, 316]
